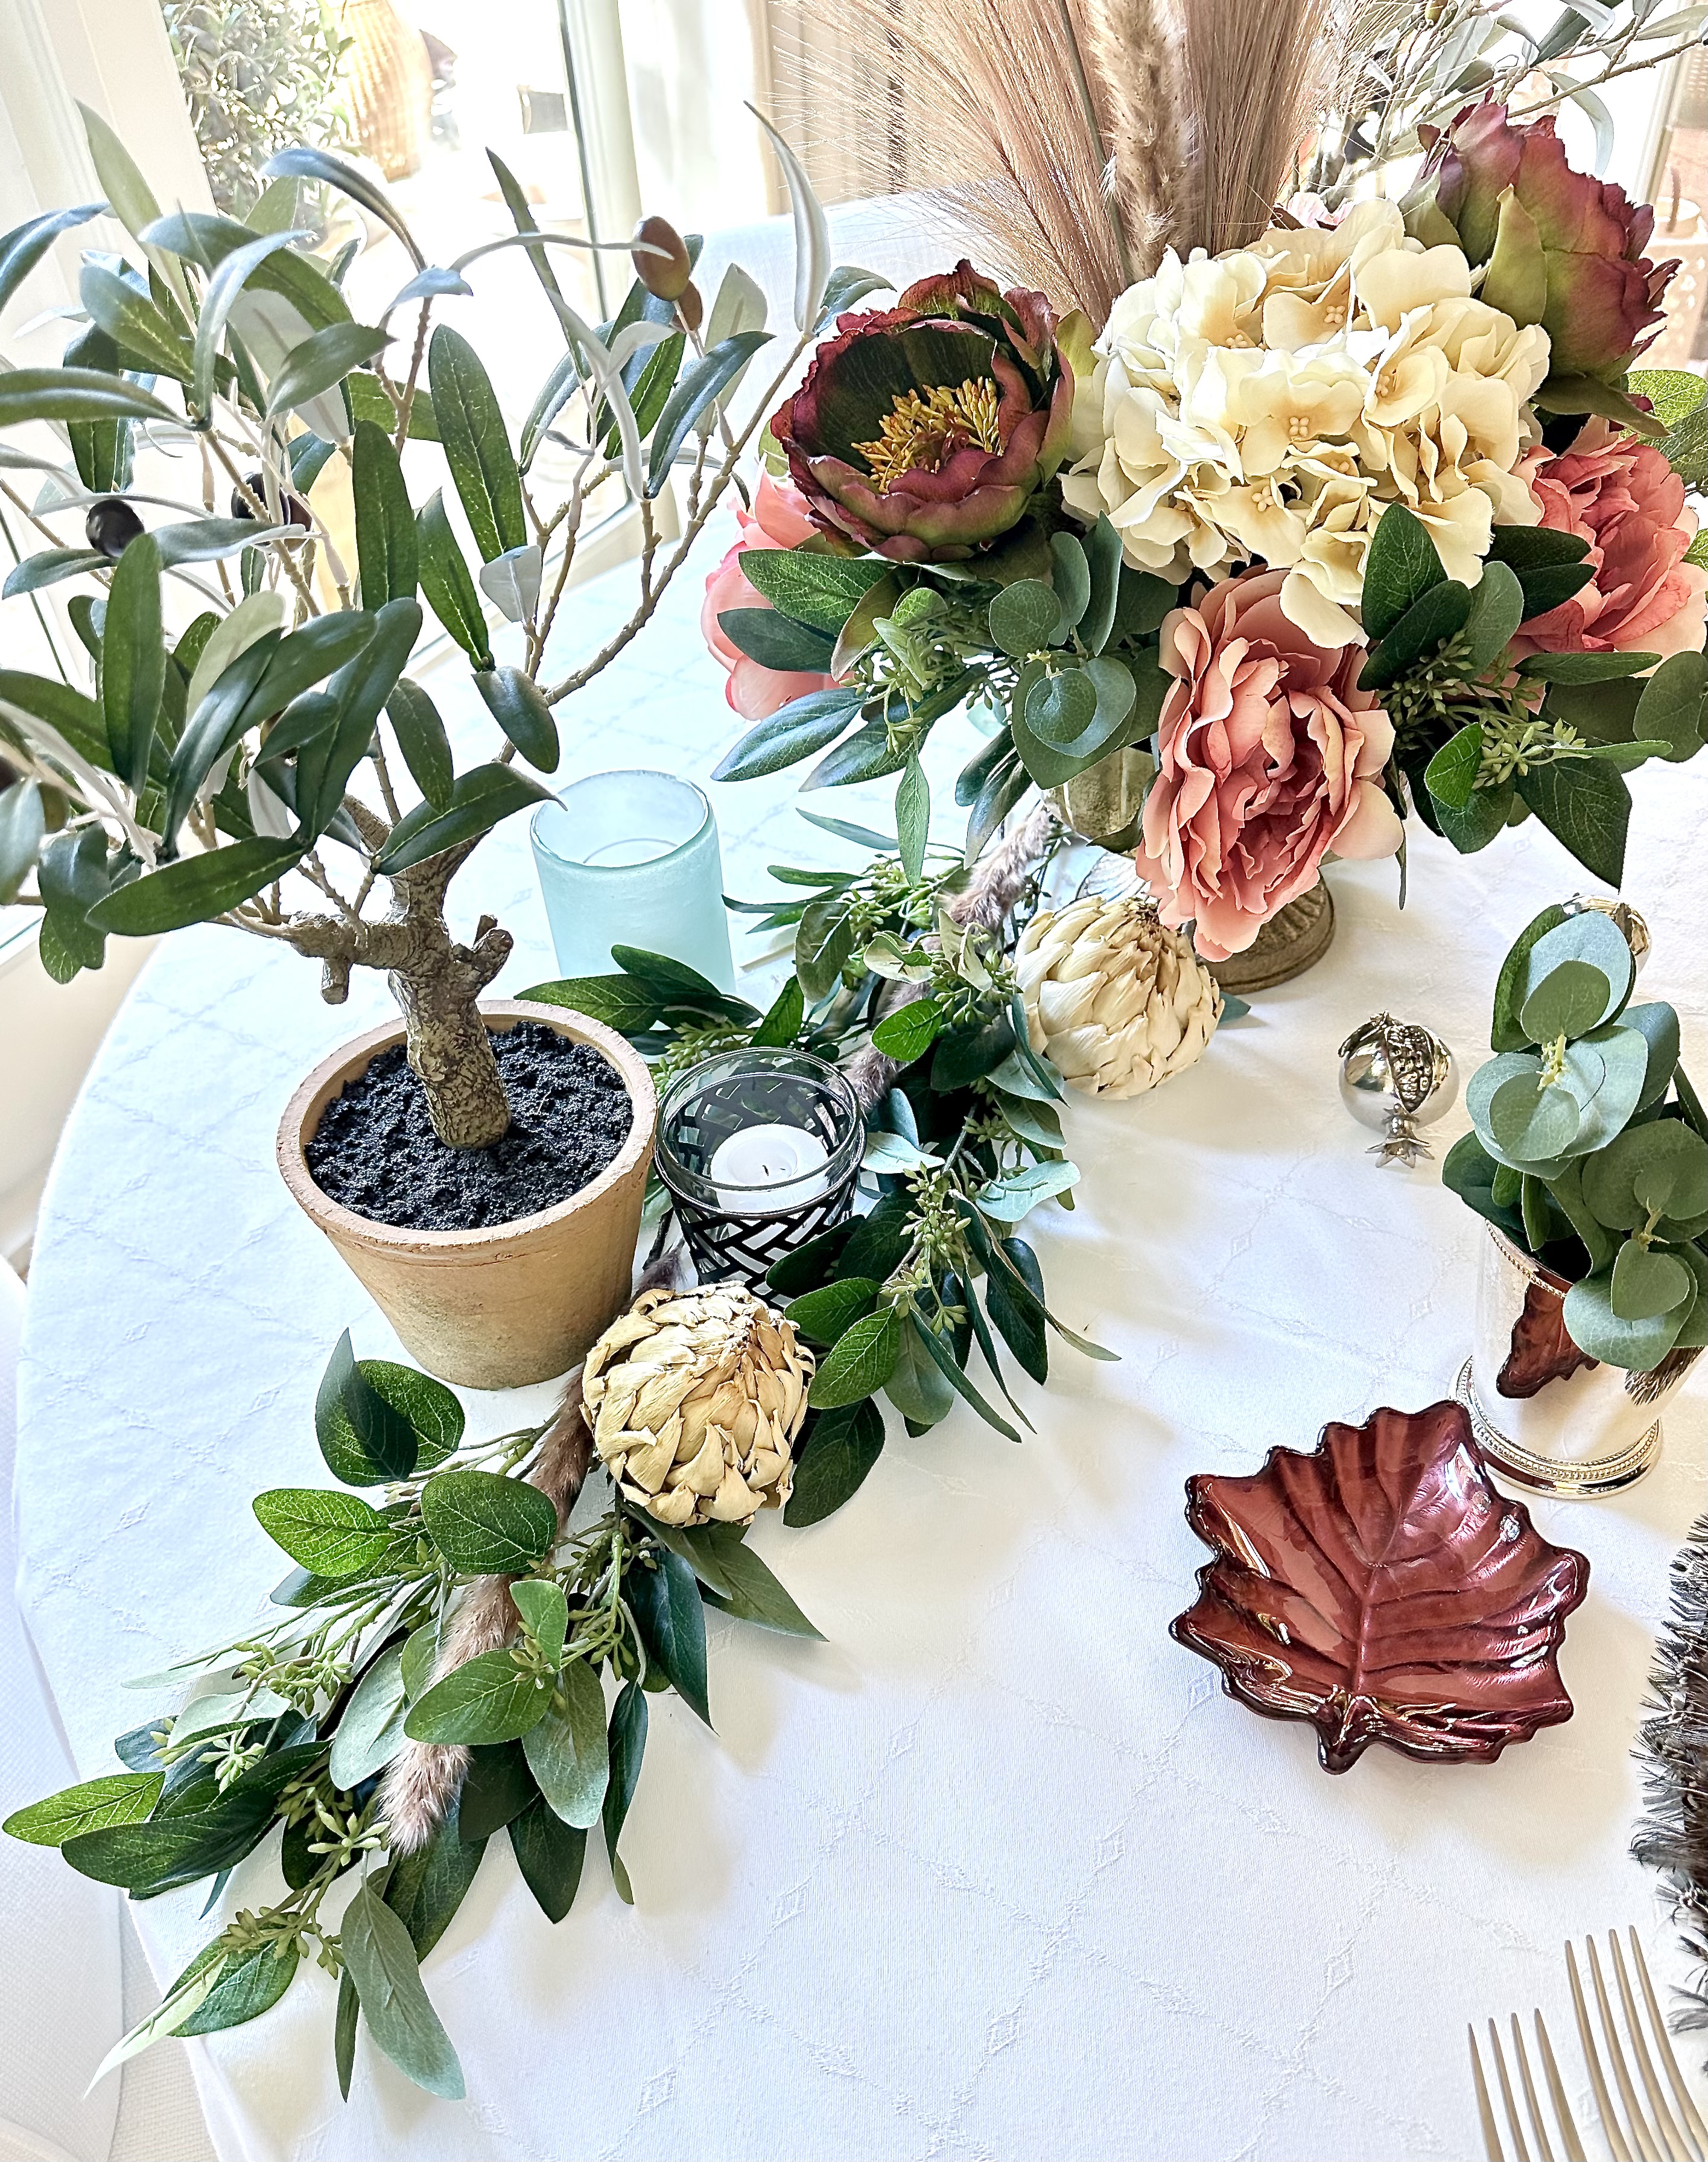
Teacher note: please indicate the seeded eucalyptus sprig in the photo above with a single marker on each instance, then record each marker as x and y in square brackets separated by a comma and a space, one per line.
[293, 1727]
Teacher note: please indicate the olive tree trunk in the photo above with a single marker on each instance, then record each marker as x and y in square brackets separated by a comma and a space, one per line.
[437, 984]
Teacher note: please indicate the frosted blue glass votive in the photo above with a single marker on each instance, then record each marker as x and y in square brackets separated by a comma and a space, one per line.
[631, 859]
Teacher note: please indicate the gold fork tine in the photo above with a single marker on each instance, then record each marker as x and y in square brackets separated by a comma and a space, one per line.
[1628, 2094]
[1671, 2139]
[1490, 2133]
[1536, 2121]
[1556, 2088]
[1512, 2118]
[1610, 2123]
[1681, 2093]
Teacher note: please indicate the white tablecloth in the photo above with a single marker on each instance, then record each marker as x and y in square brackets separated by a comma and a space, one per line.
[997, 1870]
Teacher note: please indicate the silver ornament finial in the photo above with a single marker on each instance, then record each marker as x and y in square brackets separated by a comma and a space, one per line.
[1395, 1076]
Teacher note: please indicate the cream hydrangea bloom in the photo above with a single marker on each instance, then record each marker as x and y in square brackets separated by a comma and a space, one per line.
[1267, 403]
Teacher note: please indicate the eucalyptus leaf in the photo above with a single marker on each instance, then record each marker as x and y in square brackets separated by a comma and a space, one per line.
[487, 1525]
[566, 1748]
[487, 1699]
[370, 1729]
[860, 1363]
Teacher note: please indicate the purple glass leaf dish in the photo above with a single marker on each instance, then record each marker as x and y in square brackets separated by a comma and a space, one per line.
[1381, 1588]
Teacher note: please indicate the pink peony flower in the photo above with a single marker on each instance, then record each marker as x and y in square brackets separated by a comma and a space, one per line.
[1270, 757]
[1621, 495]
[778, 520]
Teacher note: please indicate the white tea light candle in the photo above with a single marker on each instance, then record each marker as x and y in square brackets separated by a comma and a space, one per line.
[786, 1162]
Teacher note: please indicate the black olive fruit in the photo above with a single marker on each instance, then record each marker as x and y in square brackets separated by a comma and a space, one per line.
[295, 509]
[110, 526]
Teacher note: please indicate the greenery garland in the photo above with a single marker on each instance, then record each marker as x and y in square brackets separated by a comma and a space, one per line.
[440, 1594]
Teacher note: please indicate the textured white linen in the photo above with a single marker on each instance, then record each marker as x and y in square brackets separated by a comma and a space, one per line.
[59, 1961]
[996, 1871]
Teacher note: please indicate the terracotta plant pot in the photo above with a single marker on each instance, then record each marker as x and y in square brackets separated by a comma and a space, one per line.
[512, 1302]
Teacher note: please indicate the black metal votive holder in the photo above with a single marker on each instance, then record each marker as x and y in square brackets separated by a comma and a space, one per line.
[725, 1095]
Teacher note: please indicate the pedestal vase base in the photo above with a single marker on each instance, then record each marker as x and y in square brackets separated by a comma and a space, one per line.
[1294, 939]
[1585, 1479]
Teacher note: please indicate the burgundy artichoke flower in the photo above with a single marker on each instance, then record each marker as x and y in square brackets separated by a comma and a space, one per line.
[1564, 248]
[923, 431]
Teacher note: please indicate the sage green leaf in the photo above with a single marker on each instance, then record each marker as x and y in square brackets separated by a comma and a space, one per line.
[386, 548]
[146, 342]
[1587, 808]
[383, 1965]
[910, 1032]
[1103, 552]
[321, 361]
[424, 1888]
[518, 707]
[1673, 705]
[476, 447]
[247, 1983]
[23, 829]
[1573, 998]
[916, 1387]
[664, 1597]
[1496, 610]
[701, 384]
[194, 890]
[820, 591]
[839, 1450]
[544, 1612]
[1648, 1281]
[1657, 1024]
[1450, 776]
[867, 755]
[1400, 567]
[345, 2020]
[1024, 617]
[369, 1732]
[49, 567]
[422, 739]
[566, 1748]
[1515, 981]
[1585, 667]
[362, 1436]
[480, 799]
[218, 298]
[1009, 1200]
[1062, 707]
[627, 1745]
[1531, 1121]
[121, 1798]
[421, 1652]
[302, 163]
[133, 661]
[782, 1022]
[487, 1525]
[1602, 1334]
[825, 1316]
[952, 1372]
[1438, 615]
[331, 1533]
[618, 1001]
[76, 393]
[860, 1364]
[913, 818]
[447, 583]
[1071, 577]
[497, 1787]
[748, 1589]
[487, 1699]
[549, 1853]
[24, 246]
[823, 944]
[1661, 1167]
[795, 731]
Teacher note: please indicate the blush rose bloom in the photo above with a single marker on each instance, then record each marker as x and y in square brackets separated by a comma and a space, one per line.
[1270, 757]
[1621, 495]
[778, 520]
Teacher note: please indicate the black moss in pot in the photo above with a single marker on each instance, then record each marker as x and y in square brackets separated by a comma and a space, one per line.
[375, 1152]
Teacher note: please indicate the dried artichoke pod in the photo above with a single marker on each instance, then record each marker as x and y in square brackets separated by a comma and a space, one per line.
[695, 1398]
[1114, 999]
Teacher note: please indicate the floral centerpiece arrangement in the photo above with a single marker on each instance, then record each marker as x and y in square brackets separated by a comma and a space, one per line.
[1362, 519]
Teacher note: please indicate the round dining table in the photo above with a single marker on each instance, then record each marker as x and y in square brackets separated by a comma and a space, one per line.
[995, 1869]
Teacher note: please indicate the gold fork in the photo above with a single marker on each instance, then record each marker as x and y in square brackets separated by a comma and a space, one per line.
[1658, 2137]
